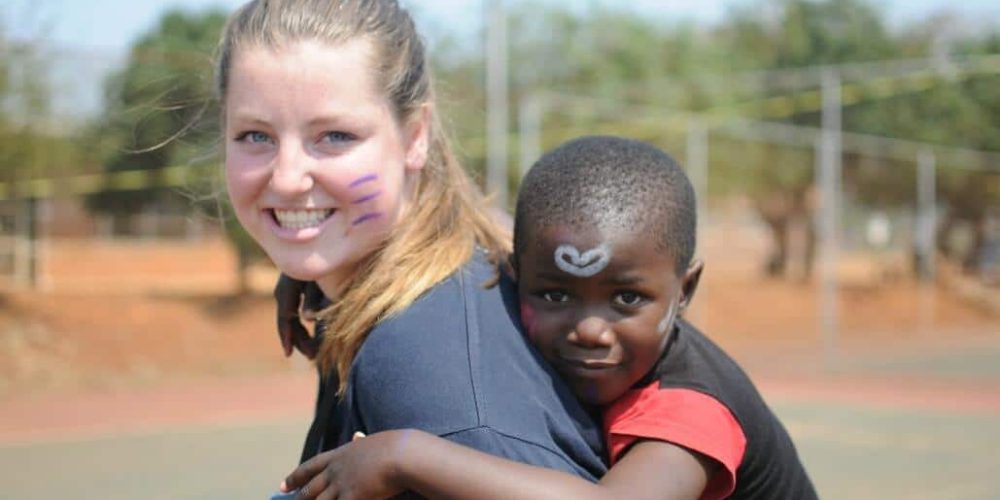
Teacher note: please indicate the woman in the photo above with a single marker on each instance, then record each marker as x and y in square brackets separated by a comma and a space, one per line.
[336, 164]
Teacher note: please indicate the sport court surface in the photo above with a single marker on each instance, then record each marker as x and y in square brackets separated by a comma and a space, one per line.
[918, 426]
[910, 414]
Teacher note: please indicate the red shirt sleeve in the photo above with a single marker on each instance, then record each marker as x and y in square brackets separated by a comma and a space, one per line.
[684, 417]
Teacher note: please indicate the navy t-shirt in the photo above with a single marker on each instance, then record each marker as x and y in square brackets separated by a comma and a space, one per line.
[455, 364]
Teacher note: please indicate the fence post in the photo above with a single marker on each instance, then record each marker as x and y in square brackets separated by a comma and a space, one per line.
[496, 97]
[696, 151]
[25, 247]
[926, 203]
[828, 177]
[529, 131]
[926, 224]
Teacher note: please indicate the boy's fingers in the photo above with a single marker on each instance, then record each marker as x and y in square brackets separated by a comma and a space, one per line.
[288, 295]
[307, 470]
[328, 494]
[285, 334]
[316, 487]
[305, 343]
[312, 300]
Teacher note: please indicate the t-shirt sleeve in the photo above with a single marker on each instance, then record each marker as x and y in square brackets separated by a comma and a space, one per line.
[401, 380]
[414, 378]
[516, 448]
[683, 417]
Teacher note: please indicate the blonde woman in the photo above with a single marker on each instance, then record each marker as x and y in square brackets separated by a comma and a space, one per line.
[337, 166]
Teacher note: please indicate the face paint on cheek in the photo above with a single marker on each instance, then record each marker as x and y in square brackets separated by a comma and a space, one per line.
[585, 264]
[365, 218]
[365, 198]
[363, 179]
[668, 318]
[528, 320]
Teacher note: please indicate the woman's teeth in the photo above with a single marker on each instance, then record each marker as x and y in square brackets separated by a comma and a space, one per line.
[301, 219]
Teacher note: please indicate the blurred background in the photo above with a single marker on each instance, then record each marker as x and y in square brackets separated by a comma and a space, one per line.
[846, 156]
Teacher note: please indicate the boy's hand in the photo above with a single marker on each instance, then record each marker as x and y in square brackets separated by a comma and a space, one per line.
[298, 301]
[361, 469]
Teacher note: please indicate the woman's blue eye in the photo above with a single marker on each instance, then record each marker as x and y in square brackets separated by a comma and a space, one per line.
[254, 137]
[555, 297]
[337, 137]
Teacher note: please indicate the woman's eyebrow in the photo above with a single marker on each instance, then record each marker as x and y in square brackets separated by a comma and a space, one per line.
[247, 119]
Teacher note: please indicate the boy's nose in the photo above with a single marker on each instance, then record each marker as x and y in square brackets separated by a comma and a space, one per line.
[592, 331]
[291, 173]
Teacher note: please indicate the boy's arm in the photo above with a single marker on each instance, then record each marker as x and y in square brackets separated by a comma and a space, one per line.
[387, 463]
[297, 302]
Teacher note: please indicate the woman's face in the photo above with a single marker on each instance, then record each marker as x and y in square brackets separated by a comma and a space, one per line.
[317, 167]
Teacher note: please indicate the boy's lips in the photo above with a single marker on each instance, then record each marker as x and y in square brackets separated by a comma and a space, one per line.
[590, 363]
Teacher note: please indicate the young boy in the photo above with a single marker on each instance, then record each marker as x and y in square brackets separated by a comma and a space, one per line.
[604, 239]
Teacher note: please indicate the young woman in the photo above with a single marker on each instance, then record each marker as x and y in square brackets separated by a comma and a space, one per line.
[337, 166]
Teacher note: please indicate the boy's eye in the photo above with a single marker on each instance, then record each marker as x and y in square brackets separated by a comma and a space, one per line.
[554, 296]
[254, 137]
[629, 299]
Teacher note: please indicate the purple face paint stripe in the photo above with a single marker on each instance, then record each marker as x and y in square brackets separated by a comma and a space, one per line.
[367, 197]
[362, 180]
[366, 217]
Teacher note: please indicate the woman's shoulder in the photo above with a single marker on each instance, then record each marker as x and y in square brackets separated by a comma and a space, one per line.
[451, 303]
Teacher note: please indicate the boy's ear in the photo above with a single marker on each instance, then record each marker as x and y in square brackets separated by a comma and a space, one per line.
[689, 283]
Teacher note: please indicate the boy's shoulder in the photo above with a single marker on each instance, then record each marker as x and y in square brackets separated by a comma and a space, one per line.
[718, 397]
[693, 359]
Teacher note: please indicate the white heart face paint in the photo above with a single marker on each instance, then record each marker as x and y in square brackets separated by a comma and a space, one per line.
[668, 318]
[586, 264]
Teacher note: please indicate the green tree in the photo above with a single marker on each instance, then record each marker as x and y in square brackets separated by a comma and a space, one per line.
[795, 34]
[31, 145]
[161, 112]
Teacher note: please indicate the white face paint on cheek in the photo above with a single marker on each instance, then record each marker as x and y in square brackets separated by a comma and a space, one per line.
[668, 319]
[586, 264]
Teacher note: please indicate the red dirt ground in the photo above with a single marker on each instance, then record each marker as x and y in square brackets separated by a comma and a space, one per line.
[160, 316]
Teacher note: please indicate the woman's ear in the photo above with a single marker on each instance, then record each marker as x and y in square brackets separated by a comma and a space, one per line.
[689, 283]
[417, 135]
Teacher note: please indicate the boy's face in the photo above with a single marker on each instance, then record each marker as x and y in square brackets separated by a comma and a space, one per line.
[599, 305]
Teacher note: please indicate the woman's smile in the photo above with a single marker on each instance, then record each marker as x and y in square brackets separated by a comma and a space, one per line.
[301, 218]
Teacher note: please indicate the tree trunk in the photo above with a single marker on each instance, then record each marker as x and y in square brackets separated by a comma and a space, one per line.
[775, 213]
[244, 259]
[970, 261]
[802, 210]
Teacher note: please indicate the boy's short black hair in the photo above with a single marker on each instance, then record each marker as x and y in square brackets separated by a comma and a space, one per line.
[610, 182]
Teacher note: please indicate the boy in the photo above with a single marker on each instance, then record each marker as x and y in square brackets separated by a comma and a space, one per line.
[604, 239]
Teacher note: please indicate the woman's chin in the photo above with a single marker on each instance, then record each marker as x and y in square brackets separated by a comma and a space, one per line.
[312, 269]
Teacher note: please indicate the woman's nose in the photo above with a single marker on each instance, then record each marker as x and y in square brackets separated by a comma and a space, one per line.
[592, 331]
[291, 174]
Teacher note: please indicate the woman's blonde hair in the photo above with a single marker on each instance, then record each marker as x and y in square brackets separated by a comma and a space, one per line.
[448, 216]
